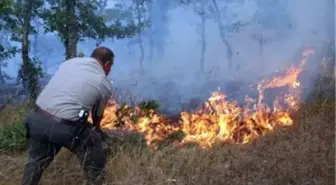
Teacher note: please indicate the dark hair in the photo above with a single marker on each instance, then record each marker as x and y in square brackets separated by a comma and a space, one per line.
[103, 54]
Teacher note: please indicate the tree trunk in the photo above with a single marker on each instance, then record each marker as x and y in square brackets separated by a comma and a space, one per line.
[261, 43]
[2, 79]
[331, 24]
[160, 45]
[202, 59]
[142, 52]
[26, 77]
[328, 68]
[222, 34]
[36, 37]
[71, 41]
[151, 32]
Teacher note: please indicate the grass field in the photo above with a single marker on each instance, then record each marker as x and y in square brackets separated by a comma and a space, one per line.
[302, 154]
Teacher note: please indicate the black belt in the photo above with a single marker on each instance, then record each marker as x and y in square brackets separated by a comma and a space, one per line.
[57, 119]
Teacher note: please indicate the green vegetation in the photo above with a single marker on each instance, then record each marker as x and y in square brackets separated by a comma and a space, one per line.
[73, 21]
[12, 130]
[12, 137]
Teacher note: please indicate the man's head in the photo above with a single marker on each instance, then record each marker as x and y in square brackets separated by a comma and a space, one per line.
[105, 57]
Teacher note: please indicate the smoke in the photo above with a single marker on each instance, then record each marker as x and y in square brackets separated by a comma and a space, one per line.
[287, 27]
[271, 39]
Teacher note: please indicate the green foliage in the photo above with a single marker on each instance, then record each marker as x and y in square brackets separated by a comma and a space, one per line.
[146, 108]
[123, 112]
[125, 15]
[149, 105]
[7, 24]
[12, 18]
[5, 6]
[12, 21]
[30, 82]
[7, 52]
[12, 136]
[118, 12]
[88, 23]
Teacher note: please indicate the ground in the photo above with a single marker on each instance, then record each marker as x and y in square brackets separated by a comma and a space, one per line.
[301, 154]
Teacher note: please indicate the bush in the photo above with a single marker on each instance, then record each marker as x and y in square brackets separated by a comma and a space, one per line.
[12, 135]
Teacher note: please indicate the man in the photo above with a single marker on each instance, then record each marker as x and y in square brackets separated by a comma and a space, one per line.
[80, 84]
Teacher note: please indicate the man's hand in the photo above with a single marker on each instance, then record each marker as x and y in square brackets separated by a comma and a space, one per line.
[96, 124]
[96, 120]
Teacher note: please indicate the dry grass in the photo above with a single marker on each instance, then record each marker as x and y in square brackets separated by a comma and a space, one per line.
[302, 155]
[12, 113]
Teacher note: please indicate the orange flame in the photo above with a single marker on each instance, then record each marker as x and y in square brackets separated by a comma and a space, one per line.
[218, 120]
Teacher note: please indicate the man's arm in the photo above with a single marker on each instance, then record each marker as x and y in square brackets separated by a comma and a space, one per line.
[105, 89]
[98, 112]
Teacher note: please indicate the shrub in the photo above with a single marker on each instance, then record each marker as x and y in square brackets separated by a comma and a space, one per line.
[12, 135]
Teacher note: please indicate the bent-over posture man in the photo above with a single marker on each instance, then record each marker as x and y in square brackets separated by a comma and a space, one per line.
[80, 84]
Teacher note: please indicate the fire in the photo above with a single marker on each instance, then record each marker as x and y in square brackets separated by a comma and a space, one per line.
[218, 120]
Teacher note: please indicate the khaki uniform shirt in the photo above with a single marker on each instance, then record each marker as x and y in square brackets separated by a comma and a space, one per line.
[79, 83]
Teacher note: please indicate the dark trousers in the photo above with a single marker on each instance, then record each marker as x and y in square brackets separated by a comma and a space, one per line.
[47, 137]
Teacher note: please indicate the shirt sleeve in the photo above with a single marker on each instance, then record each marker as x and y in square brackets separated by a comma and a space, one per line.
[100, 107]
[106, 92]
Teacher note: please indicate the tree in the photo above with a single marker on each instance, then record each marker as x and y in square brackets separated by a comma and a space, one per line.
[122, 13]
[158, 29]
[75, 20]
[200, 9]
[224, 27]
[29, 72]
[202, 15]
[222, 33]
[139, 7]
[5, 6]
[49, 54]
[331, 31]
[17, 20]
[328, 62]
[6, 50]
[132, 12]
[271, 15]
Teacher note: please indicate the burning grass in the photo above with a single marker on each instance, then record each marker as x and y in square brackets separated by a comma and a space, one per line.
[218, 120]
[301, 154]
[230, 149]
